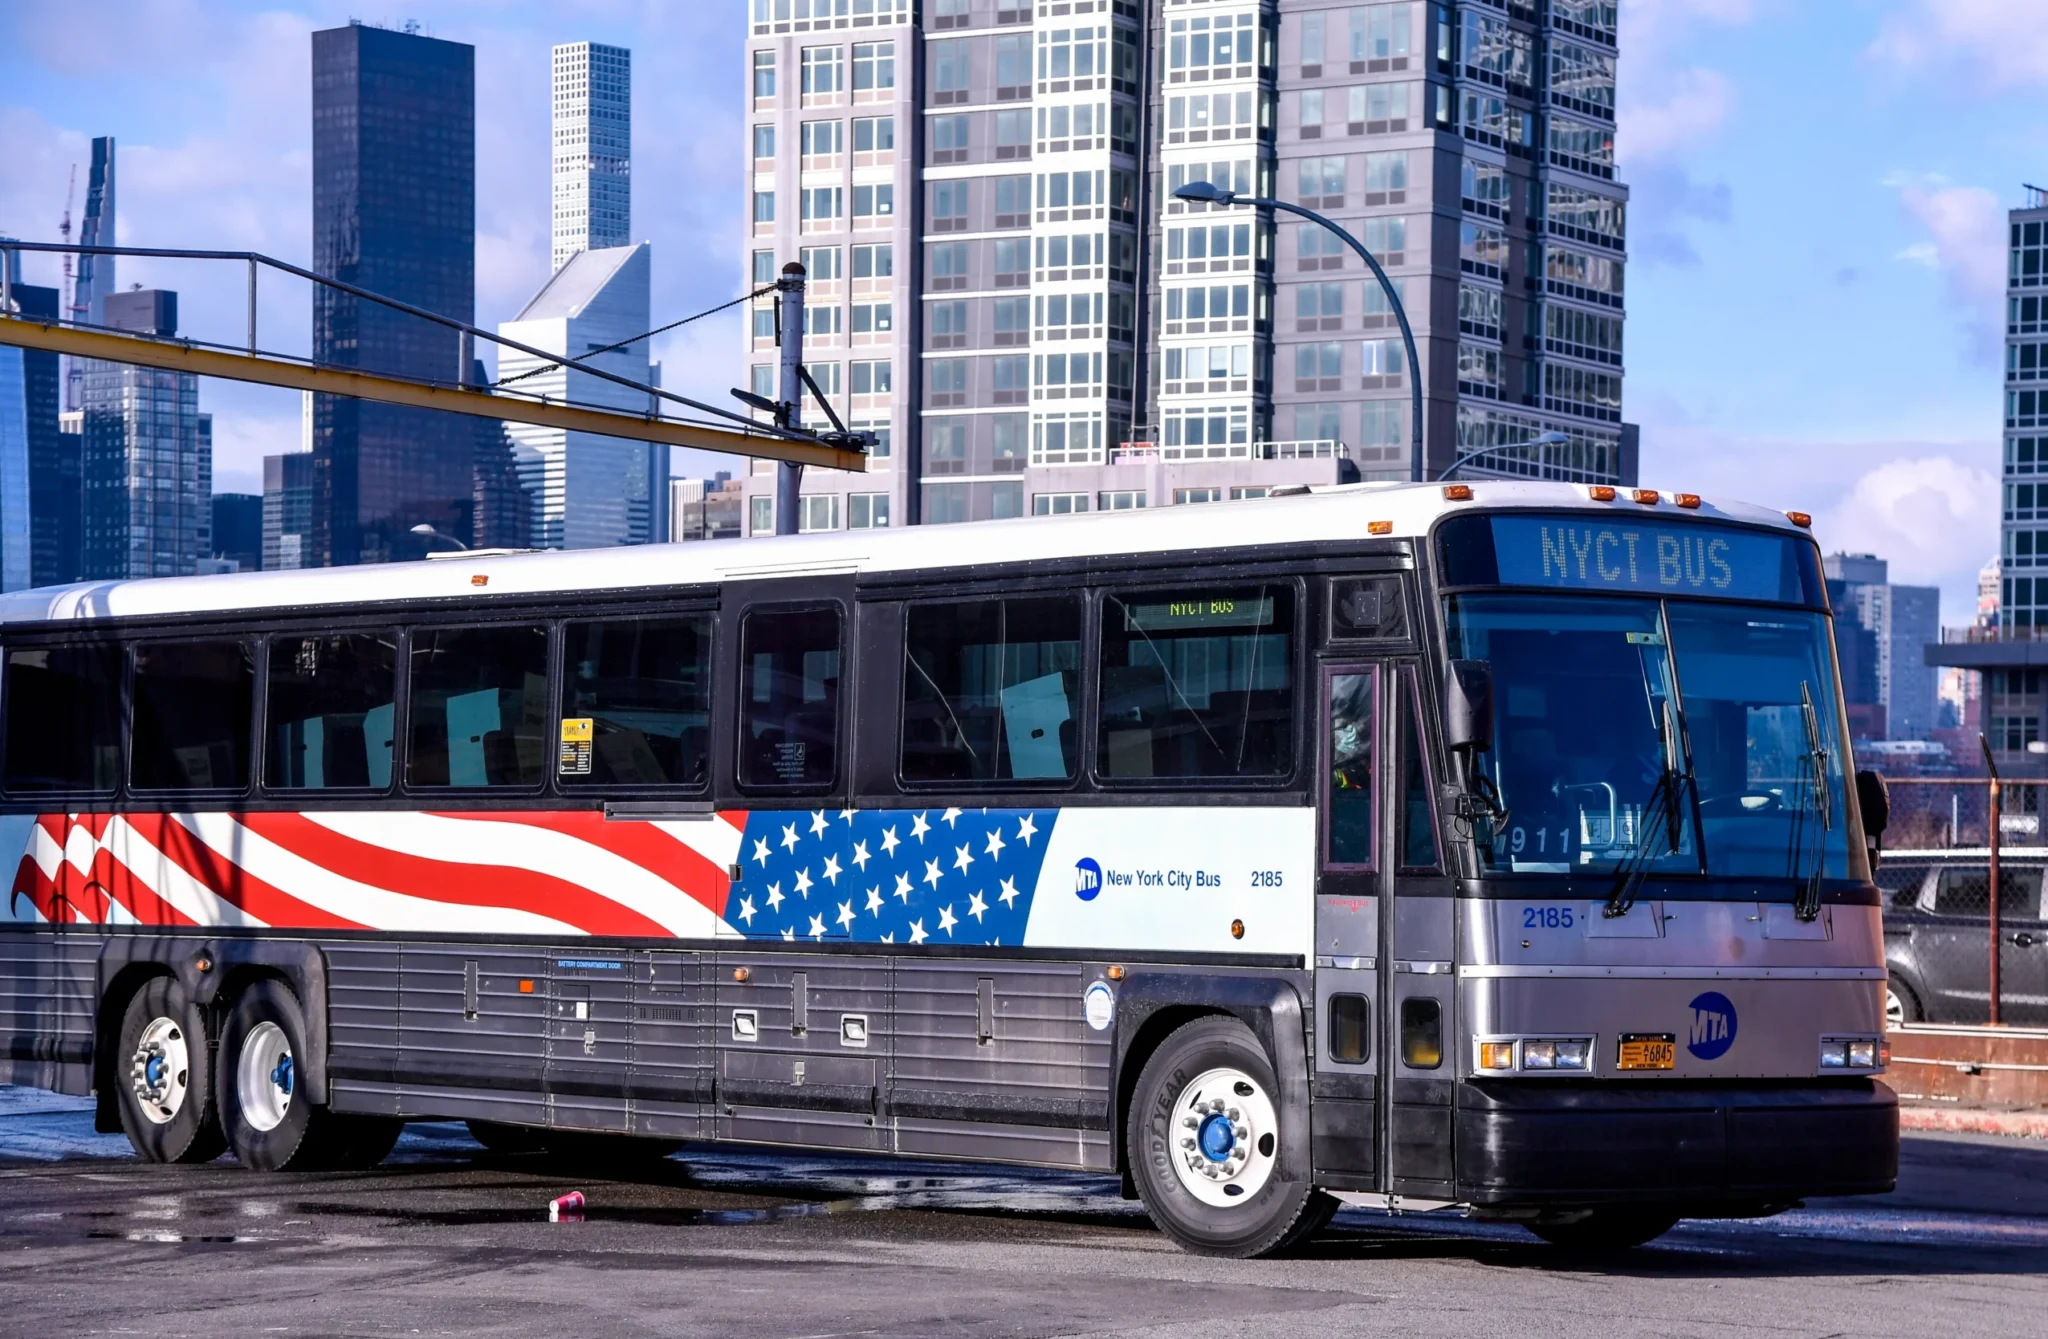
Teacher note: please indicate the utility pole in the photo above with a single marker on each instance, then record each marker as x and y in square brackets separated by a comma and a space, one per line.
[789, 477]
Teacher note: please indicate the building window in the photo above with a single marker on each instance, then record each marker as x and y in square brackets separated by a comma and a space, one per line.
[1318, 422]
[764, 142]
[760, 515]
[818, 511]
[945, 504]
[867, 511]
[1120, 499]
[874, 66]
[764, 207]
[1379, 33]
[1013, 66]
[764, 267]
[950, 70]
[821, 263]
[874, 134]
[1058, 504]
[1185, 496]
[764, 76]
[946, 382]
[822, 203]
[1006, 500]
[873, 202]
[872, 318]
[949, 138]
[822, 72]
[872, 378]
[823, 139]
[874, 262]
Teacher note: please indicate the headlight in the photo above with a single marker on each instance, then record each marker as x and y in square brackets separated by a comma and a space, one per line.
[1867, 1053]
[1834, 1054]
[1863, 1054]
[1573, 1054]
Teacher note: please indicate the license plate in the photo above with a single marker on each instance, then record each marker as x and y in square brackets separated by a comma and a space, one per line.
[1647, 1050]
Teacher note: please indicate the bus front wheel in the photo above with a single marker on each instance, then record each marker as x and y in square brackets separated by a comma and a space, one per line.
[165, 1087]
[1203, 1144]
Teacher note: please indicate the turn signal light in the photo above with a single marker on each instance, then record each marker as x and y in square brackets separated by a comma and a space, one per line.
[1457, 492]
[1496, 1055]
[1800, 519]
[1601, 492]
[1379, 527]
[1686, 499]
[1646, 496]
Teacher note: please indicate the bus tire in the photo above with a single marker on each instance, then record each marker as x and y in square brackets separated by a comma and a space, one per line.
[1617, 1228]
[361, 1142]
[1202, 1145]
[270, 1123]
[164, 1077]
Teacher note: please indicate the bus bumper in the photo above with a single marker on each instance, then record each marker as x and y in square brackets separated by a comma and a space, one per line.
[1740, 1147]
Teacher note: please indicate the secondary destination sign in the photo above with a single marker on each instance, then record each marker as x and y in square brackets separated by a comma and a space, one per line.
[1584, 553]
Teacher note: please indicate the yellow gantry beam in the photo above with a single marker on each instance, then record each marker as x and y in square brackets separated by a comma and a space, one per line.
[122, 348]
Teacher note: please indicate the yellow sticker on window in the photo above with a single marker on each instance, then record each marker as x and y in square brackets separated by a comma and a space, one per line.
[574, 757]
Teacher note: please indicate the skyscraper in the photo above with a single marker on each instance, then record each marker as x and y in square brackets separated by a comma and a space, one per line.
[588, 491]
[1889, 627]
[287, 510]
[238, 530]
[95, 275]
[148, 455]
[53, 458]
[394, 212]
[1004, 283]
[593, 148]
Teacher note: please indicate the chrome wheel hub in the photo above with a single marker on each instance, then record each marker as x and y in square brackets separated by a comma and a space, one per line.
[265, 1077]
[1225, 1135]
[159, 1070]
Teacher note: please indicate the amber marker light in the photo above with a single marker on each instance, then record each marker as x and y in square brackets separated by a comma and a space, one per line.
[740, 973]
[1646, 496]
[1686, 499]
[1379, 527]
[1457, 492]
[526, 987]
[480, 579]
[1496, 1055]
[1115, 973]
[1800, 519]
[1601, 492]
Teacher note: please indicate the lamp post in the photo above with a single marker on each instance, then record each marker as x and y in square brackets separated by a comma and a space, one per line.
[425, 531]
[1552, 438]
[1209, 193]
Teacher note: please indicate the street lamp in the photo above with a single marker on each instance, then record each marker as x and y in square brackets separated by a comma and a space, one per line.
[1209, 193]
[1552, 438]
[425, 531]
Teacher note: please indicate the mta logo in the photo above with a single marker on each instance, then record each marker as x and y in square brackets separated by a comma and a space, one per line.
[1087, 879]
[1713, 1025]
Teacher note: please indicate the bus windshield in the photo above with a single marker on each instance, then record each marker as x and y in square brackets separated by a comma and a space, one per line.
[1675, 738]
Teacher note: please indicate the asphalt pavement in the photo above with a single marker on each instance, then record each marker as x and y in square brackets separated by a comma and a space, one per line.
[448, 1239]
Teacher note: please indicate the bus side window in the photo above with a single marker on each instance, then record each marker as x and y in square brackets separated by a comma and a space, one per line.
[789, 698]
[1418, 817]
[63, 718]
[328, 711]
[644, 687]
[988, 690]
[479, 706]
[193, 708]
[1349, 817]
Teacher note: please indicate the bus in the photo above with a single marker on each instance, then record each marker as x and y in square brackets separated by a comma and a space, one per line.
[1485, 846]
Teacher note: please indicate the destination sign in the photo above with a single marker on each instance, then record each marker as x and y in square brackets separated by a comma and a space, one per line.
[1198, 609]
[1586, 553]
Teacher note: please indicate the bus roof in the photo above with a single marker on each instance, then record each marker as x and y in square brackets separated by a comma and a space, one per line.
[1325, 515]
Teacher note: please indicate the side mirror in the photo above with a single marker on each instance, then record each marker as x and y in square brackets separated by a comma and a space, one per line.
[1874, 798]
[1468, 705]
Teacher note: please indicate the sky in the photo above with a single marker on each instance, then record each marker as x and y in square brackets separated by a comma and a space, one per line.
[1816, 235]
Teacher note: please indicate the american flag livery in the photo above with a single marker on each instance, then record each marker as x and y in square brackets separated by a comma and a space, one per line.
[890, 876]
[882, 876]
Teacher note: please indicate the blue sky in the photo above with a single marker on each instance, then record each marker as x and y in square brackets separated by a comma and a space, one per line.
[1816, 232]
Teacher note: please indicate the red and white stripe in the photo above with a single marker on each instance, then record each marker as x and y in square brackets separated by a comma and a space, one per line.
[562, 872]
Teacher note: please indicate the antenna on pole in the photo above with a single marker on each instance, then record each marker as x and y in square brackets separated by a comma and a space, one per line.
[64, 231]
[2037, 197]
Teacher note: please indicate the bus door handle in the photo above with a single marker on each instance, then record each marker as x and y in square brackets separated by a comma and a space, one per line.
[2025, 940]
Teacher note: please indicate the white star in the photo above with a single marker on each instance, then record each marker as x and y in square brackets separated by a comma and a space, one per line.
[774, 897]
[962, 858]
[952, 817]
[995, 844]
[788, 936]
[761, 849]
[832, 870]
[947, 920]
[875, 901]
[918, 827]
[976, 906]
[889, 840]
[845, 916]
[818, 823]
[917, 935]
[803, 883]
[1009, 894]
[889, 938]
[1026, 829]
[903, 888]
[747, 910]
[861, 856]
[846, 816]
[789, 837]
[817, 930]
[931, 873]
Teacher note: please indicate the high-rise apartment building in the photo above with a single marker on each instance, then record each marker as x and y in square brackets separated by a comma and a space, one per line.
[586, 490]
[593, 148]
[148, 455]
[1003, 283]
[287, 510]
[53, 457]
[394, 212]
[1882, 632]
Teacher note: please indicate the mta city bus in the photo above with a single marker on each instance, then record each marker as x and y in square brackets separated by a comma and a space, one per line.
[1487, 846]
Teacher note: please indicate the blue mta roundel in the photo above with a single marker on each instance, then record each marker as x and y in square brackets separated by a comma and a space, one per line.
[1087, 879]
[1713, 1025]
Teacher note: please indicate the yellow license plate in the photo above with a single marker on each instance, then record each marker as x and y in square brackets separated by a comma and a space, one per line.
[1640, 1050]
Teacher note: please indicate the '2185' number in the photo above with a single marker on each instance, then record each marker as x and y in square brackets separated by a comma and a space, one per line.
[1546, 918]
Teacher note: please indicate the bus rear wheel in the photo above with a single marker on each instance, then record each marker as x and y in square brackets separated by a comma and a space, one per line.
[1610, 1229]
[270, 1123]
[1203, 1146]
[165, 1085]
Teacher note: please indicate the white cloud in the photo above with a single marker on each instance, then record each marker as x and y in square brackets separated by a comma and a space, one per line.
[1990, 44]
[1934, 517]
[1688, 110]
[1967, 245]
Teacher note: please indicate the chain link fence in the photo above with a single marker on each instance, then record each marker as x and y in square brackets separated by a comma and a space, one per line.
[1940, 916]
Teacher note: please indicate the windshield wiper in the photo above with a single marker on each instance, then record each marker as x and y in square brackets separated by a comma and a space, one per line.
[1661, 809]
[1806, 902]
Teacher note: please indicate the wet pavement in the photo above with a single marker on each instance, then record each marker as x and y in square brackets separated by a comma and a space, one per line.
[446, 1238]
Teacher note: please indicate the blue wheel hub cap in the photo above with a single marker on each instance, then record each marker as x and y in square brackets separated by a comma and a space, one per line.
[153, 1071]
[1217, 1138]
[282, 1076]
